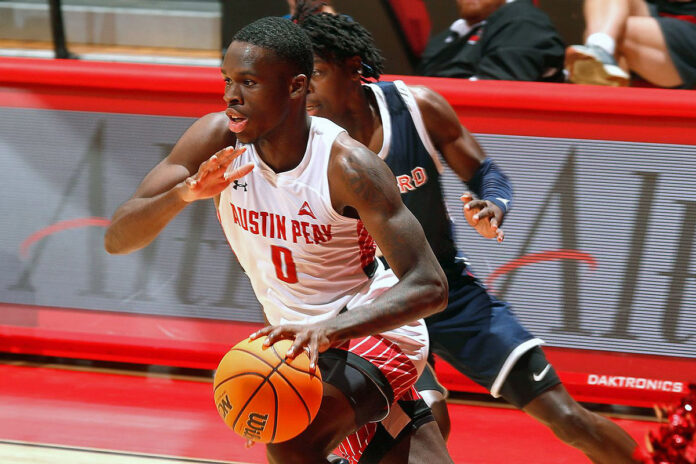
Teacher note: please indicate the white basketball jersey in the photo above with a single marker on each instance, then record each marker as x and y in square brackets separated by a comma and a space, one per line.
[305, 261]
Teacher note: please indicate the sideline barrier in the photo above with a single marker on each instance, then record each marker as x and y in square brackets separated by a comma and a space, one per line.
[598, 258]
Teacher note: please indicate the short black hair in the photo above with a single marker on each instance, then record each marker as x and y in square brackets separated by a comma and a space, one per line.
[284, 37]
[337, 37]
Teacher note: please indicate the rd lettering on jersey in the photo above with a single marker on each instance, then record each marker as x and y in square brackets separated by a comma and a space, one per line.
[273, 225]
[407, 182]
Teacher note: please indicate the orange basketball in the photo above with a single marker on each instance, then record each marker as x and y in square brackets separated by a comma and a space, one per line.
[264, 397]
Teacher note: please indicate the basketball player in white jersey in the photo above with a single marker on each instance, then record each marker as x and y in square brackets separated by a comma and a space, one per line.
[296, 197]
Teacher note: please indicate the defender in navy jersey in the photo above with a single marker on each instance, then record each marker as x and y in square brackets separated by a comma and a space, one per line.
[409, 127]
[307, 203]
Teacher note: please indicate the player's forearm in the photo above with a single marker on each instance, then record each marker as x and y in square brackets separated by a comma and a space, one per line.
[415, 296]
[139, 221]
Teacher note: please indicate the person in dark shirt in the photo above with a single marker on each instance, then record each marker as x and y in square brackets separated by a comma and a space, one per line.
[654, 39]
[495, 39]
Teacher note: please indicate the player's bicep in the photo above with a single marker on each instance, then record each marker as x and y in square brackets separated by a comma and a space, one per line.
[455, 143]
[363, 182]
[400, 238]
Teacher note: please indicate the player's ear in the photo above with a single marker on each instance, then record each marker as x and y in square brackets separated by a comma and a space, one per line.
[298, 86]
[354, 67]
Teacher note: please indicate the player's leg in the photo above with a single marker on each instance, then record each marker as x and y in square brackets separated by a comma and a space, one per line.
[645, 49]
[421, 445]
[334, 421]
[533, 386]
[435, 396]
[479, 336]
[599, 438]
[355, 393]
[403, 412]
[416, 441]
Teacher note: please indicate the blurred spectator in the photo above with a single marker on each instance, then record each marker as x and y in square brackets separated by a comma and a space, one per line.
[495, 39]
[656, 40]
[321, 7]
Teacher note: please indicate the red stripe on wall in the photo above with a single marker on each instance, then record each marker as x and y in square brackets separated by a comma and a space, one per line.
[497, 107]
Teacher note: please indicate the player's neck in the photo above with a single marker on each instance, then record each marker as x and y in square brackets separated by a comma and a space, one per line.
[283, 148]
[362, 119]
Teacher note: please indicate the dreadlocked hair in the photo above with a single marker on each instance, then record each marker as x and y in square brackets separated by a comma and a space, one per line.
[286, 39]
[337, 37]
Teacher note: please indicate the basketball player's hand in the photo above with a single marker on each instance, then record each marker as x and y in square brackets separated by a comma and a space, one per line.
[311, 338]
[484, 216]
[214, 175]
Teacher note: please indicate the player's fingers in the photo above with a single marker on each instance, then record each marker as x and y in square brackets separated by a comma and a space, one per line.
[301, 340]
[211, 163]
[261, 332]
[313, 358]
[226, 154]
[500, 235]
[249, 443]
[484, 213]
[466, 197]
[475, 204]
[236, 152]
[232, 174]
[273, 336]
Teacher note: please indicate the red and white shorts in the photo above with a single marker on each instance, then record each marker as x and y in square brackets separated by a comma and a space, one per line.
[400, 374]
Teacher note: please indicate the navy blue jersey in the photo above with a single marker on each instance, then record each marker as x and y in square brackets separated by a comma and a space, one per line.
[416, 169]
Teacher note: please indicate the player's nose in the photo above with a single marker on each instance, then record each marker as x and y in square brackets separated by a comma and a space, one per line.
[233, 95]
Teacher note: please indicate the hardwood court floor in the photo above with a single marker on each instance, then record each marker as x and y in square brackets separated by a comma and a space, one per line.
[32, 453]
[57, 415]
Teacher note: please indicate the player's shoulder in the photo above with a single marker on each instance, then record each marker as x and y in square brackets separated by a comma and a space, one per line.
[427, 99]
[213, 125]
[350, 158]
[438, 115]
[206, 136]
[346, 151]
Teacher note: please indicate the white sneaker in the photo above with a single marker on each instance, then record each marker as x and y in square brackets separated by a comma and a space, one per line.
[593, 65]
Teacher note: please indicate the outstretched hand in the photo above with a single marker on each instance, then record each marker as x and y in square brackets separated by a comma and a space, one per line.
[484, 216]
[311, 338]
[214, 175]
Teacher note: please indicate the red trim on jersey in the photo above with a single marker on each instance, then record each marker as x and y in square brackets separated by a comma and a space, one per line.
[401, 374]
[367, 246]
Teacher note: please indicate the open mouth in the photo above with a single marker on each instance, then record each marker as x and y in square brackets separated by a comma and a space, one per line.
[237, 121]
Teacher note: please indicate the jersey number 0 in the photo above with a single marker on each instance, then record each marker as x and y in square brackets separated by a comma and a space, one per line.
[284, 264]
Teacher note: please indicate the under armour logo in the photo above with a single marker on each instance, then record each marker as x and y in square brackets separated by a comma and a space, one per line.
[238, 185]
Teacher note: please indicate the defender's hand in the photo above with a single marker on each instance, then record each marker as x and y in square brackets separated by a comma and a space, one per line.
[312, 338]
[214, 175]
[484, 216]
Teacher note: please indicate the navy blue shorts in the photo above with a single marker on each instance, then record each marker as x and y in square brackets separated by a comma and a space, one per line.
[478, 334]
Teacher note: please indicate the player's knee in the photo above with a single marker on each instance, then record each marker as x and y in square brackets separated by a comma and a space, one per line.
[438, 406]
[573, 425]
